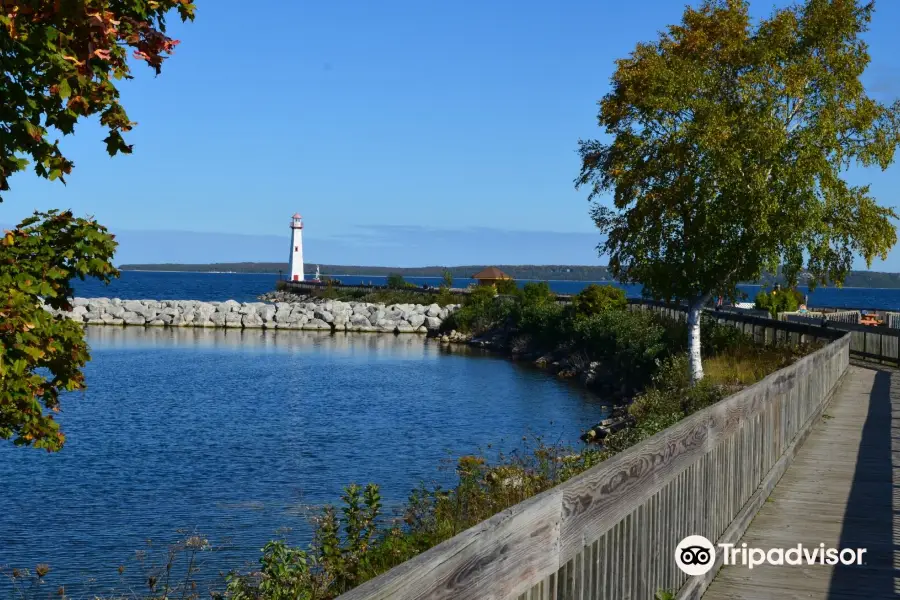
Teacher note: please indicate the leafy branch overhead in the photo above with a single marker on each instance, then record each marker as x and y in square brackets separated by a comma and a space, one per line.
[59, 61]
[729, 143]
[41, 355]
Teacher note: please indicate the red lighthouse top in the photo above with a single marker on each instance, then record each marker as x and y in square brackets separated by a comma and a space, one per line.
[296, 216]
[296, 221]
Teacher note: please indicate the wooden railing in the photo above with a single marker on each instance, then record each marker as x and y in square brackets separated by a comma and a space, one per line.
[611, 532]
[763, 330]
[879, 344]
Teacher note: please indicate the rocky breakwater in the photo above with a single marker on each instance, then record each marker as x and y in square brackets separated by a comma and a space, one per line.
[330, 315]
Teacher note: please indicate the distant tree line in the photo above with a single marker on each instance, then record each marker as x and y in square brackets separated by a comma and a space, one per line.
[863, 279]
[535, 272]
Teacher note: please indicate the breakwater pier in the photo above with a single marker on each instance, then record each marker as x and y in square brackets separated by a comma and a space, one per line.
[327, 315]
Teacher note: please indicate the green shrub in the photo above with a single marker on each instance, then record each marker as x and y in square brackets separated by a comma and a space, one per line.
[444, 297]
[507, 287]
[595, 299]
[481, 297]
[628, 342]
[668, 399]
[537, 293]
[447, 281]
[479, 312]
[329, 291]
[779, 301]
[396, 282]
[544, 322]
[716, 338]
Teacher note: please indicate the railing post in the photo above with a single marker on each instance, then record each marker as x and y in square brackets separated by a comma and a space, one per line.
[865, 347]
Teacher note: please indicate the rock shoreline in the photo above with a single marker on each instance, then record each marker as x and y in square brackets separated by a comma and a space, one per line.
[327, 315]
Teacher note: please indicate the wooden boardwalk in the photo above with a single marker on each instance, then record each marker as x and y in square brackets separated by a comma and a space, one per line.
[843, 490]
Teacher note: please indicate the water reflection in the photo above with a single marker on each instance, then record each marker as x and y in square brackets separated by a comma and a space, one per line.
[235, 433]
[370, 345]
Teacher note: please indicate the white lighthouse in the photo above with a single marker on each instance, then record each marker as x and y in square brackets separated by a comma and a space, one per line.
[296, 247]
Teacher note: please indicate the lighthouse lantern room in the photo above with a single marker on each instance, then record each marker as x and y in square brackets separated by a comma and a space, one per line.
[296, 248]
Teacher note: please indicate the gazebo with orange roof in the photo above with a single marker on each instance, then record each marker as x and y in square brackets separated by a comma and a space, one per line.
[490, 276]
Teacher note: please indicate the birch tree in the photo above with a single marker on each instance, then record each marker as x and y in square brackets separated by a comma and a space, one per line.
[727, 147]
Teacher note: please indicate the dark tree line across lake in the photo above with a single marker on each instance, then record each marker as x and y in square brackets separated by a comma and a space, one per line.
[862, 279]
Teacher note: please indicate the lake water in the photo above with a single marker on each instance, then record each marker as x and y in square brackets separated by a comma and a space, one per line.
[233, 433]
[143, 285]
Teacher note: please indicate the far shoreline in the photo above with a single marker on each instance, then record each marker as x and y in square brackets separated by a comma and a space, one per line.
[605, 281]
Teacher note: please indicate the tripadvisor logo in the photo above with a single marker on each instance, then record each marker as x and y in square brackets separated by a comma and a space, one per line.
[695, 555]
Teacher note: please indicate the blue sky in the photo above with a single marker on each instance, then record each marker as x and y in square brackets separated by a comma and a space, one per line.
[405, 132]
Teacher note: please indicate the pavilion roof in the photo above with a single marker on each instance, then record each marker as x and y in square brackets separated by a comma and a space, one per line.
[491, 273]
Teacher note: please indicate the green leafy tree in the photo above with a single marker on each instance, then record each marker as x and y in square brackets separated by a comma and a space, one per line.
[41, 355]
[59, 62]
[778, 301]
[728, 142]
[447, 279]
[507, 287]
[594, 299]
[395, 281]
[537, 293]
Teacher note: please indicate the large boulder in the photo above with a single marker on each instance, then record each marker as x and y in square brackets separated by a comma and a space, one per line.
[323, 315]
[359, 320]
[416, 319]
[266, 312]
[132, 318]
[316, 325]
[432, 322]
[134, 306]
[252, 320]
[433, 310]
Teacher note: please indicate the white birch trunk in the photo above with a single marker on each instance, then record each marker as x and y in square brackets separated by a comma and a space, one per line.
[695, 361]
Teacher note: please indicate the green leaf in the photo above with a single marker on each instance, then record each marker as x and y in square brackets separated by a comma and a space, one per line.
[32, 129]
[64, 90]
